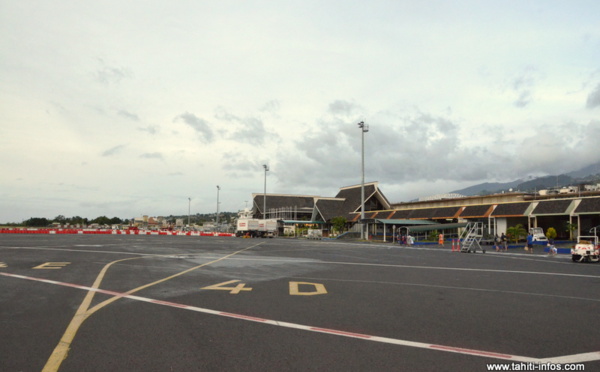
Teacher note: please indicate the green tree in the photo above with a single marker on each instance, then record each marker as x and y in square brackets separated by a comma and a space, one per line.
[551, 233]
[76, 220]
[37, 222]
[102, 220]
[60, 219]
[570, 228]
[339, 223]
[516, 232]
[115, 221]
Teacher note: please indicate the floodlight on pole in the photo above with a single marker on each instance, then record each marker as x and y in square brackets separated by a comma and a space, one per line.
[265, 193]
[189, 209]
[364, 129]
[217, 219]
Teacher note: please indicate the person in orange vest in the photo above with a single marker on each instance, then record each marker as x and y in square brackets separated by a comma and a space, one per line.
[441, 239]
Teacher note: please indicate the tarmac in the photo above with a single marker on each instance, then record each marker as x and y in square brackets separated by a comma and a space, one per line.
[178, 303]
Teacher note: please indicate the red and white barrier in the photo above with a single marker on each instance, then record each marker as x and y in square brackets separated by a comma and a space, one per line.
[109, 232]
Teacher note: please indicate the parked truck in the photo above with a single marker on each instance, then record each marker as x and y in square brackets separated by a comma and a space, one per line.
[267, 228]
[254, 227]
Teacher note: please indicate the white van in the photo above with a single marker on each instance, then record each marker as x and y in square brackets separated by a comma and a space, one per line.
[538, 235]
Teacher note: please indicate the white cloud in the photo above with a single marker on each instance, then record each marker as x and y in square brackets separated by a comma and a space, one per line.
[114, 150]
[593, 99]
[152, 155]
[107, 74]
[201, 126]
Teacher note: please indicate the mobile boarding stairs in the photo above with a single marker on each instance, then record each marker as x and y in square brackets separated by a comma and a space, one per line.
[470, 238]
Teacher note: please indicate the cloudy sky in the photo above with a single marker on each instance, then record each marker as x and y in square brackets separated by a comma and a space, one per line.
[126, 108]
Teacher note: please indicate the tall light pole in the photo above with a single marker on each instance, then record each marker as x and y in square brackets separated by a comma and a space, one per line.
[364, 129]
[217, 223]
[189, 210]
[265, 194]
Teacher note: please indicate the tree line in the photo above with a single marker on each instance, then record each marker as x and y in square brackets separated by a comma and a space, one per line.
[104, 220]
[76, 220]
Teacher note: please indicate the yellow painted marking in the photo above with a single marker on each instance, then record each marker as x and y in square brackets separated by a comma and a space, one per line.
[52, 265]
[233, 290]
[2, 264]
[113, 299]
[319, 289]
[62, 349]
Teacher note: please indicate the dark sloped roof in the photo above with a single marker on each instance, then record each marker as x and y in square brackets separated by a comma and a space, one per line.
[403, 222]
[422, 213]
[442, 226]
[588, 205]
[510, 209]
[302, 203]
[353, 196]
[347, 201]
[552, 207]
[371, 215]
[401, 215]
[448, 212]
[385, 215]
[331, 208]
[476, 211]
[434, 213]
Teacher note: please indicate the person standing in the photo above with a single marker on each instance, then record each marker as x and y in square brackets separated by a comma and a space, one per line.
[441, 240]
[504, 241]
[530, 243]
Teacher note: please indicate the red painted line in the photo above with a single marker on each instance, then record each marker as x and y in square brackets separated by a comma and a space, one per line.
[240, 316]
[471, 351]
[104, 291]
[342, 333]
[73, 285]
[64, 284]
[167, 303]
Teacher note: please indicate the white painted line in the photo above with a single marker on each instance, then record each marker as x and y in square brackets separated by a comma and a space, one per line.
[576, 358]
[480, 353]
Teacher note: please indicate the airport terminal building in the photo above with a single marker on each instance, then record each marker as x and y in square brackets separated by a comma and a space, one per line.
[496, 212]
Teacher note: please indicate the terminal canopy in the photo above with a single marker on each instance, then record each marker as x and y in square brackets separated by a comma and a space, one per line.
[405, 222]
[439, 226]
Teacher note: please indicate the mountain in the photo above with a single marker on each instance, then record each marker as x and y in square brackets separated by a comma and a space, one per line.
[589, 174]
[547, 182]
[487, 188]
[590, 170]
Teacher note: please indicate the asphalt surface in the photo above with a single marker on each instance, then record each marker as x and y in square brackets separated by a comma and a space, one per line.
[230, 304]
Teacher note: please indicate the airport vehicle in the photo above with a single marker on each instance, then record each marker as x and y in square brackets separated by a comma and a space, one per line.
[538, 235]
[254, 227]
[314, 234]
[267, 228]
[586, 249]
